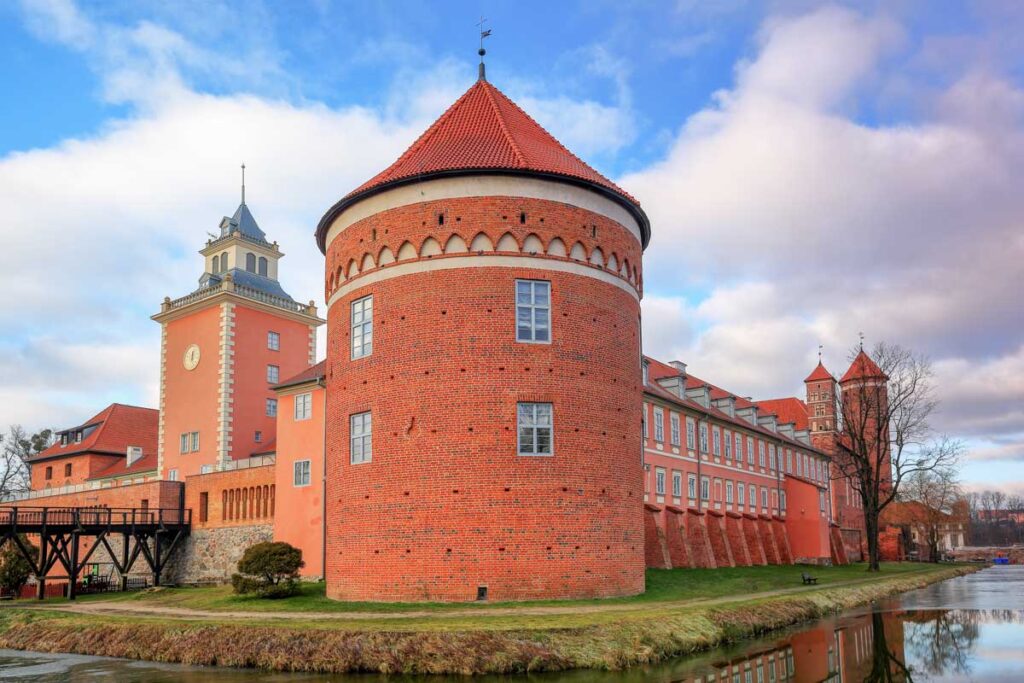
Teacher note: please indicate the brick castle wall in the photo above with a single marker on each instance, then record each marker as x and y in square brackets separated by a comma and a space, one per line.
[446, 505]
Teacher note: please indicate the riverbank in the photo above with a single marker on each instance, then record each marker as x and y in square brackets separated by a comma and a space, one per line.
[684, 611]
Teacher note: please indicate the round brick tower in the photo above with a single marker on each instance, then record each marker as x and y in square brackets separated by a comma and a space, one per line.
[484, 370]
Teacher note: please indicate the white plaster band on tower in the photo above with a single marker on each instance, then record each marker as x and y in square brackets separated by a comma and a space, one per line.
[489, 260]
[482, 186]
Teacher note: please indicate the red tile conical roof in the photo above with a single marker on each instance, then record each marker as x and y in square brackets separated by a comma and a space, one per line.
[486, 132]
[863, 367]
[819, 373]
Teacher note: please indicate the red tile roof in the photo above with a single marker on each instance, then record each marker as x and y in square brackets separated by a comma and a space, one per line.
[310, 374]
[786, 410]
[117, 427]
[819, 373]
[863, 367]
[657, 370]
[485, 131]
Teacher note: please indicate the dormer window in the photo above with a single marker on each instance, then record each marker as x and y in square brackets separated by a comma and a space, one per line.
[64, 439]
[78, 436]
[646, 372]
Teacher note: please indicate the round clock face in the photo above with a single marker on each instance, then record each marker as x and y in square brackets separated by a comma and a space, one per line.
[191, 358]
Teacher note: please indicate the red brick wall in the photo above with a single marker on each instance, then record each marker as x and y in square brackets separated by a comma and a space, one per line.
[771, 551]
[446, 505]
[234, 497]
[754, 542]
[656, 554]
[675, 536]
[737, 540]
[158, 494]
[697, 535]
[716, 535]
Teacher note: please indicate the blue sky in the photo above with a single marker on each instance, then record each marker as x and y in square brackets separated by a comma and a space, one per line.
[812, 170]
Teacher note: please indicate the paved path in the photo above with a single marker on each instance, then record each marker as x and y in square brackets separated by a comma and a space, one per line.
[142, 609]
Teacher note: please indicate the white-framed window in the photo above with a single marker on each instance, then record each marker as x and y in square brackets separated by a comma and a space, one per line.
[301, 473]
[184, 443]
[645, 371]
[677, 484]
[703, 438]
[728, 492]
[764, 496]
[172, 475]
[716, 441]
[273, 341]
[533, 311]
[760, 453]
[271, 407]
[360, 436]
[673, 420]
[659, 425]
[750, 450]
[194, 438]
[727, 438]
[303, 406]
[273, 374]
[78, 436]
[659, 481]
[362, 327]
[783, 499]
[691, 486]
[691, 439]
[821, 500]
[739, 448]
[741, 492]
[205, 469]
[643, 421]
[705, 488]
[258, 436]
[771, 456]
[753, 496]
[799, 465]
[789, 461]
[535, 426]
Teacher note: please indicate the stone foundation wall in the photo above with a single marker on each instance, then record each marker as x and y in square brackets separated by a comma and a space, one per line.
[211, 555]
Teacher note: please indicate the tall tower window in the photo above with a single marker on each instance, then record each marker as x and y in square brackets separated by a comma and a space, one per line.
[263, 266]
[250, 262]
[362, 327]
[216, 265]
[533, 311]
[360, 438]
[224, 262]
[534, 422]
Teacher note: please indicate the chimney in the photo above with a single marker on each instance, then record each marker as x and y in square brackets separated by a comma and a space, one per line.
[701, 395]
[680, 366]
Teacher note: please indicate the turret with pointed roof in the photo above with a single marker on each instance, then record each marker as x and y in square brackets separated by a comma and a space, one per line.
[484, 132]
[861, 368]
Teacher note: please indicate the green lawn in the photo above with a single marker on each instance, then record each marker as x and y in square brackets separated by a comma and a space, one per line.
[663, 585]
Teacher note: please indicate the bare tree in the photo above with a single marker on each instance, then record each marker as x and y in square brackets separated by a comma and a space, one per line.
[15, 448]
[884, 434]
[936, 492]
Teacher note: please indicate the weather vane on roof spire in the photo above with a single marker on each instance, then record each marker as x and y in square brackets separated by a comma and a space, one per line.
[861, 340]
[482, 51]
[243, 182]
[820, 347]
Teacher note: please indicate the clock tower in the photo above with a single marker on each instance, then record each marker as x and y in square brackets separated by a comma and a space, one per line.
[222, 349]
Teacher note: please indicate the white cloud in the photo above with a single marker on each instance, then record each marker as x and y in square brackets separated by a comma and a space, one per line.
[808, 223]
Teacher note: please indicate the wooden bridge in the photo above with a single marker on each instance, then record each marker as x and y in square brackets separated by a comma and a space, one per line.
[148, 533]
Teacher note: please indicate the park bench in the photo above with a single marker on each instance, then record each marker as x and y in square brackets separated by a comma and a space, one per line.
[808, 578]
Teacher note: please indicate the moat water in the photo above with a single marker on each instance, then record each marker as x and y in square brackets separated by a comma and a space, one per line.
[965, 629]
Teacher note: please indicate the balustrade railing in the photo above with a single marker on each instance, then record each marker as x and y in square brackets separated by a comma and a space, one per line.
[32, 517]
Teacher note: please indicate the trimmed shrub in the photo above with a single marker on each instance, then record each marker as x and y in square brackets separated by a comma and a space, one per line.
[269, 570]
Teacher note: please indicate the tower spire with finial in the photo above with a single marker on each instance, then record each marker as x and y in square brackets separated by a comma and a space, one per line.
[820, 347]
[861, 334]
[243, 182]
[482, 51]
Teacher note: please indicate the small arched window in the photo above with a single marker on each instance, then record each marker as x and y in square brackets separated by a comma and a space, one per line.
[224, 262]
[250, 263]
[263, 265]
[216, 265]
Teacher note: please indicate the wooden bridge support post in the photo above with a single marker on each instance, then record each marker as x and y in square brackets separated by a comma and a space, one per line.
[124, 563]
[73, 574]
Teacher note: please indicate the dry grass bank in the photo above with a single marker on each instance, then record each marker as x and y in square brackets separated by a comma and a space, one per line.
[645, 636]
